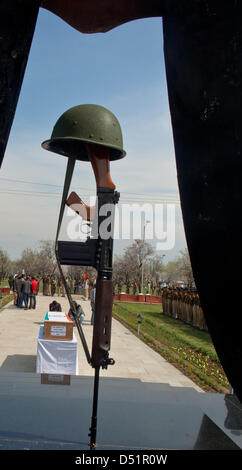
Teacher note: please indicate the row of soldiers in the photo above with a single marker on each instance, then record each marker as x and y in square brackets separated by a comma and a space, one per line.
[53, 285]
[135, 287]
[184, 304]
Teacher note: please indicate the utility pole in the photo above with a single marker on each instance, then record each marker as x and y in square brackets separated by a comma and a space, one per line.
[142, 269]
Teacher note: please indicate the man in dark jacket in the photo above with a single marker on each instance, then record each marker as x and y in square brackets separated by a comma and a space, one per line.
[27, 290]
[15, 294]
[19, 283]
[55, 307]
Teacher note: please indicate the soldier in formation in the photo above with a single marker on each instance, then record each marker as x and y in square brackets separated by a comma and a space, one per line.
[45, 285]
[183, 304]
[53, 286]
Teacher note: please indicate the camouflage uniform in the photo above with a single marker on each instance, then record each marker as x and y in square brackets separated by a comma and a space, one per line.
[203, 320]
[62, 290]
[195, 310]
[179, 304]
[175, 298]
[190, 309]
[169, 303]
[164, 301]
[45, 285]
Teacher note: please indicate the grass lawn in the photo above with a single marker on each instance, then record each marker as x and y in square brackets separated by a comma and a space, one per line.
[186, 347]
[6, 299]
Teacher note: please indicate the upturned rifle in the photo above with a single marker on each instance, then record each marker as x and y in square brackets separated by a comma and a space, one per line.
[96, 251]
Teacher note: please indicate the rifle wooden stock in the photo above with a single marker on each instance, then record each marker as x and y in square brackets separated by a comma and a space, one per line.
[76, 203]
[99, 158]
[102, 322]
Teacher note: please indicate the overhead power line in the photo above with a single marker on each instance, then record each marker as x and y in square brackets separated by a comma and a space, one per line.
[158, 197]
[123, 199]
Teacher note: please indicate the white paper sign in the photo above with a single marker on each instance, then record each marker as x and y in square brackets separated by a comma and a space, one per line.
[58, 330]
[55, 378]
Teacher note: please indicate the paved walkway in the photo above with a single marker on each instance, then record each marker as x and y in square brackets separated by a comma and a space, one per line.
[19, 331]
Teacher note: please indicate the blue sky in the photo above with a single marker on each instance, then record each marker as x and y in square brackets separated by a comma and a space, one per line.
[122, 70]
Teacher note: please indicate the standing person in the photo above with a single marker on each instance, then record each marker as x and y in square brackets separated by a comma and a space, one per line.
[135, 287]
[68, 285]
[45, 285]
[58, 286]
[35, 290]
[19, 283]
[72, 285]
[86, 285]
[15, 294]
[48, 285]
[159, 290]
[27, 290]
[53, 286]
[62, 288]
[152, 287]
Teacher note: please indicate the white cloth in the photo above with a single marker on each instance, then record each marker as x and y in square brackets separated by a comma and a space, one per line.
[56, 356]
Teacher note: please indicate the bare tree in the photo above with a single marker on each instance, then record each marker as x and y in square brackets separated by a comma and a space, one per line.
[5, 265]
[37, 262]
[47, 258]
[184, 266]
[28, 262]
[119, 270]
[172, 271]
[156, 267]
[128, 268]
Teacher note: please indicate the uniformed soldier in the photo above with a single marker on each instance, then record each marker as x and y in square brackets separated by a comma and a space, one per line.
[203, 320]
[195, 310]
[53, 286]
[169, 302]
[182, 303]
[159, 289]
[62, 290]
[164, 301]
[187, 306]
[72, 285]
[179, 304]
[45, 285]
[48, 285]
[190, 308]
[174, 310]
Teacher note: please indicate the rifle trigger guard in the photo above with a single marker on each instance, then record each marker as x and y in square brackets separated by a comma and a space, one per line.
[107, 362]
[111, 362]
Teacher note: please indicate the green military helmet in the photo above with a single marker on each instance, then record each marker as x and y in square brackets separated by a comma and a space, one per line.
[86, 123]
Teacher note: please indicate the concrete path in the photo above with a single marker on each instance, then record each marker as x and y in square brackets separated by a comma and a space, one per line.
[19, 330]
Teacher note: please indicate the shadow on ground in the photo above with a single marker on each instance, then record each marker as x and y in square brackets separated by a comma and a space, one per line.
[19, 363]
[9, 307]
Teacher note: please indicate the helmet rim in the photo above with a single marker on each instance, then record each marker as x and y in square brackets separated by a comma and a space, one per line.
[86, 124]
[55, 145]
